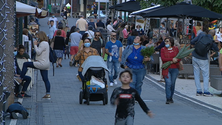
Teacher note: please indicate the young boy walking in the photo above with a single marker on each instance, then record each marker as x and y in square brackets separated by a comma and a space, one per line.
[124, 98]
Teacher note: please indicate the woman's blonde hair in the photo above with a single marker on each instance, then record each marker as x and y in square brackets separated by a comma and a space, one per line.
[42, 36]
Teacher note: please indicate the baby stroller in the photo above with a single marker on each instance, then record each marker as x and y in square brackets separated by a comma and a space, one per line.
[94, 72]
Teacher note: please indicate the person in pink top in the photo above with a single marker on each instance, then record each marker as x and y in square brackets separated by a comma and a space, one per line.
[125, 32]
[63, 34]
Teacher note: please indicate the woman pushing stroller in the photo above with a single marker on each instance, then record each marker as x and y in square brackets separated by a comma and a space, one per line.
[84, 52]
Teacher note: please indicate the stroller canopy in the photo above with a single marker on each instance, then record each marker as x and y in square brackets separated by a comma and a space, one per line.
[93, 62]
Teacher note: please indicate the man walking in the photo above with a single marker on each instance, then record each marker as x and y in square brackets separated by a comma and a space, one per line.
[75, 39]
[100, 24]
[52, 30]
[82, 25]
[114, 51]
[98, 44]
[201, 63]
[55, 21]
[158, 48]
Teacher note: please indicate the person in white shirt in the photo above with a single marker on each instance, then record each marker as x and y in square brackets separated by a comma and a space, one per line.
[200, 28]
[55, 21]
[90, 32]
[82, 25]
[52, 29]
[219, 35]
[110, 27]
[25, 37]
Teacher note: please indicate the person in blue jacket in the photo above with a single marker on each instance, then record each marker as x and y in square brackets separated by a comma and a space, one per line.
[133, 60]
[17, 108]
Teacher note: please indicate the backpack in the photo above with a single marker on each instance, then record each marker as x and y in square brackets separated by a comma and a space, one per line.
[52, 57]
[203, 46]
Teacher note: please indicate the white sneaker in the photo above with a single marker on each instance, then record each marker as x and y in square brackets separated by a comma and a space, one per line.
[115, 82]
[111, 84]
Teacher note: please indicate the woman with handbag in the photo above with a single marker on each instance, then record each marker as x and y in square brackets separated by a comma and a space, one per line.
[132, 59]
[58, 46]
[168, 53]
[42, 61]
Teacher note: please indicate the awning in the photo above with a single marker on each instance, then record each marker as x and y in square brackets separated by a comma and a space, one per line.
[147, 10]
[184, 10]
[25, 10]
[128, 6]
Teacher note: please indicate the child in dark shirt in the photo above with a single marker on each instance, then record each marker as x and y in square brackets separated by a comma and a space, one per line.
[124, 98]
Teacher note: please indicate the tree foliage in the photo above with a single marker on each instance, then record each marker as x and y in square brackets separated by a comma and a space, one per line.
[213, 5]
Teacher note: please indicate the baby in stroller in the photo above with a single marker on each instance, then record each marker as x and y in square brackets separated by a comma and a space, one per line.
[94, 85]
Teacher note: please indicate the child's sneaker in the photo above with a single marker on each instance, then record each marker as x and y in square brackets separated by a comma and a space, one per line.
[115, 82]
[199, 93]
[207, 94]
[111, 84]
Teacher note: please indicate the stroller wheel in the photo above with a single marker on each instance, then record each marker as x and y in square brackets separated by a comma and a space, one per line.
[80, 97]
[87, 102]
[106, 98]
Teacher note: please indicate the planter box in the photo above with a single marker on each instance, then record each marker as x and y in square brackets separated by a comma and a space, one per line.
[215, 82]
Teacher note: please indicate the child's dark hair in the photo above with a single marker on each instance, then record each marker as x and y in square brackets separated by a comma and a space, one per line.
[21, 47]
[126, 71]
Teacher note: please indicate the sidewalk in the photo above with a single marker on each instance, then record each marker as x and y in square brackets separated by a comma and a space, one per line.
[64, 109]
[187, 87]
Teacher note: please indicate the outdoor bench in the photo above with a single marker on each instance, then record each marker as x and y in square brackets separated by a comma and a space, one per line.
[30, 72]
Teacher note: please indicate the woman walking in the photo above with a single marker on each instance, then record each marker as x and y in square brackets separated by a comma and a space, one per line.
[59, 45]
[42, 61]
[84, 52]
[132, 59]
[168, 53]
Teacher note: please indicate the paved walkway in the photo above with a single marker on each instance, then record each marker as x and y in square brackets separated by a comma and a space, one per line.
[187, 87]
[64, 109]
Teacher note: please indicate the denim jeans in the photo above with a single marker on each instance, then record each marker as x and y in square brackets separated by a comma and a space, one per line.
[44, 74]
[25, 68]
[82, 32]
[138, 76]
[113, 65]
[127, 121]
[27, 80]
[170, 82]
[203, 66]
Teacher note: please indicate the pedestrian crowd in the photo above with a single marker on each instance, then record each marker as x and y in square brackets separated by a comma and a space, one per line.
[120, 46]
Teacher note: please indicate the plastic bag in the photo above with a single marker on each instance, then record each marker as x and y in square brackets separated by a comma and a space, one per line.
[96, 81]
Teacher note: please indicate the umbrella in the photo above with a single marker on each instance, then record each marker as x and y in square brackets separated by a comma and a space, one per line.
[147, 10]
[129, 6]
[184, 9]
